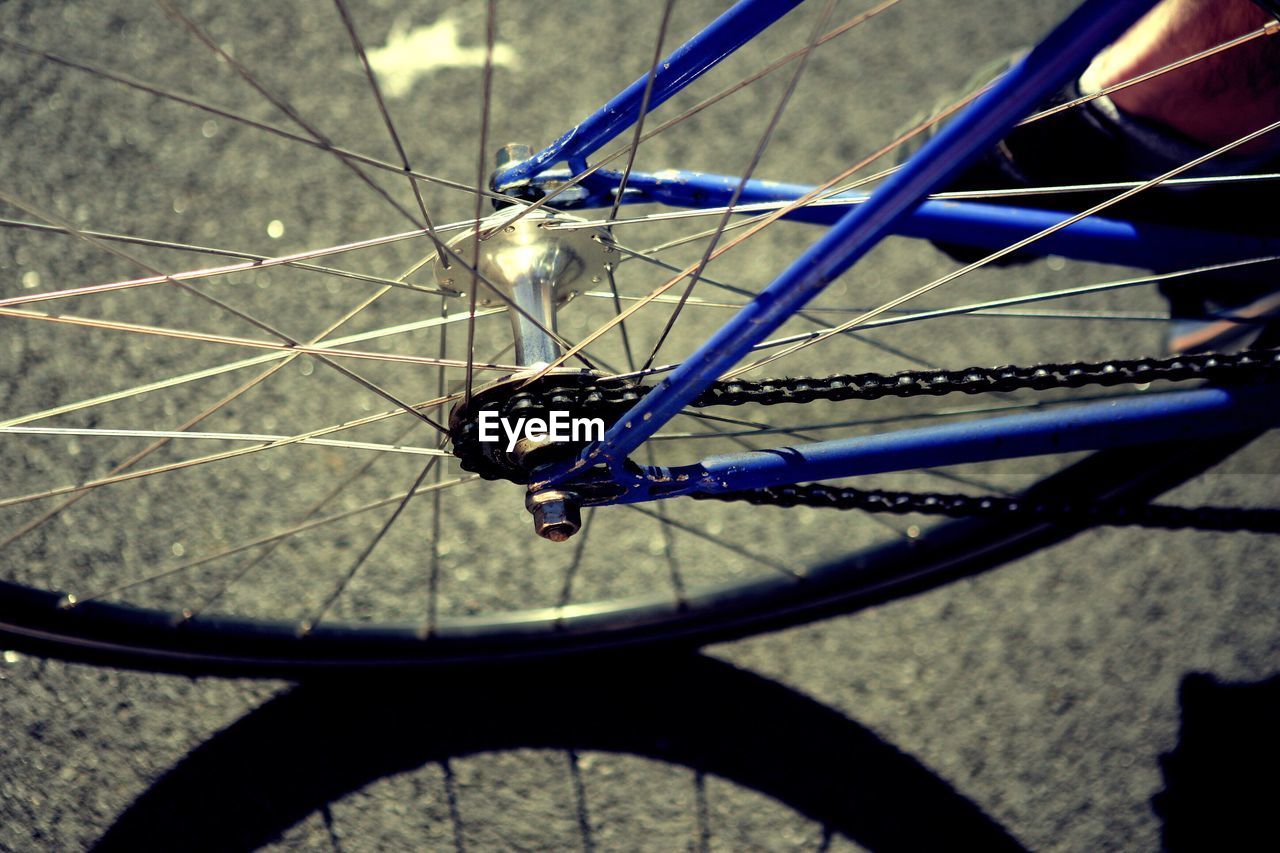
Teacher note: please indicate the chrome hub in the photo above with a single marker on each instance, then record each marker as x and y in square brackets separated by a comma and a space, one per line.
[537, 264]
[533, 262]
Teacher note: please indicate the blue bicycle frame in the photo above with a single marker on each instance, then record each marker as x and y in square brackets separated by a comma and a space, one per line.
[857, 223]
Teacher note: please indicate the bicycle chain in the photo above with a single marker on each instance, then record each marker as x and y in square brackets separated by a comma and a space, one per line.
[978, 380]
[1087, 513]
[609, 399]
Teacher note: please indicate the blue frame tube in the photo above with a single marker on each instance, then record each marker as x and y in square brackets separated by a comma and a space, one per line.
[987, 226]
[1066, 50]
[1121, 422]
[743, 22]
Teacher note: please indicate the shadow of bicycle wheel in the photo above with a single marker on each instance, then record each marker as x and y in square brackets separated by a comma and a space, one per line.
[321, 740]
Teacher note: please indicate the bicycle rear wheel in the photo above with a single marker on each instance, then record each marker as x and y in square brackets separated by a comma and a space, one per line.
[301, 555]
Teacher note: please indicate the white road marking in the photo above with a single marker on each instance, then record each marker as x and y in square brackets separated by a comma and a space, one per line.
[412, 53]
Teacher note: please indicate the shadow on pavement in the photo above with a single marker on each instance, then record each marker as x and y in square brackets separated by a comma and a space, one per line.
[321, 740]
[1221, 786]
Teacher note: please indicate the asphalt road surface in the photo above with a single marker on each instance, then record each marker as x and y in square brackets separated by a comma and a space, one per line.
[1035, 705]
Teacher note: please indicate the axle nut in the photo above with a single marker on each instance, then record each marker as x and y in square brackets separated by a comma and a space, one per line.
[556, 514]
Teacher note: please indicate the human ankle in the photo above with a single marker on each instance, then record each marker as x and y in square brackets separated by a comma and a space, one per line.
[1212, 101]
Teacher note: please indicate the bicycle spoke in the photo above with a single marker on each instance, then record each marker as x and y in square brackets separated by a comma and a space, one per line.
[309, 624]
[828, 198]
[571, 572]
[358, 46]
[218, 457]
[271, 539]
[1205, 181]
[213, 300]
[716, 540]
[261, 260]
[966, 481]
[218, 436]
[285, 107]
[1043, 314]
[285, 359]
[448, 253]
[638, 255]
[665, 525]
[634, 148]
[757, 227]
[855, 21]
[210, 272]
[323, 353]
[107, 247]
[804, 315]
[1270, 29]
[433, 570]
[910, 317]
[270, 548]
[807, 314]
[627, 349]
[190, 101]
[746, 176]
[482, 159]
[1021, 244]
[229, 367]
[755, 426]
[436, 491]
[991, 308]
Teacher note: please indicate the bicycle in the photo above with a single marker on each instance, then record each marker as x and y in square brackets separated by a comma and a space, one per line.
[222, 629]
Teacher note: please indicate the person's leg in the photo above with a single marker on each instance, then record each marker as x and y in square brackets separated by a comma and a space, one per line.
[1144, 130]
[1206, 104]
[1212, 101]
